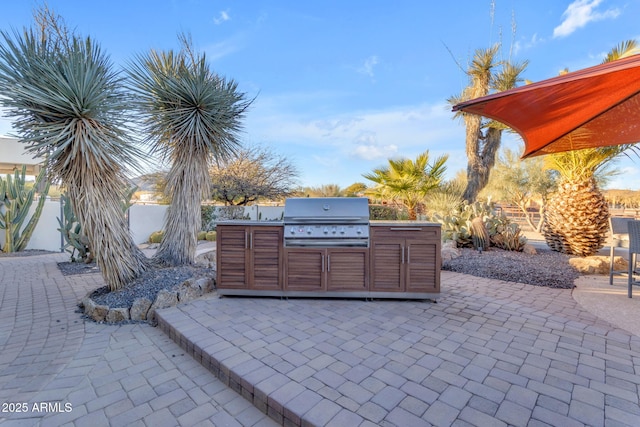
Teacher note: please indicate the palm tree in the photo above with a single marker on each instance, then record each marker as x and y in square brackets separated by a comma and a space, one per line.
[69, 106]
[192, 116]
[483, 137]
[576, 216]
[407, 181]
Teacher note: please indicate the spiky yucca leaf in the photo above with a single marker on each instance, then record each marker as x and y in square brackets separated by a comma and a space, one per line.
[69, 104]
[191, 116]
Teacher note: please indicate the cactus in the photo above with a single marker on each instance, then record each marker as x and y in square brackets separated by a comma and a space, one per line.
[75, 240]
[15, 202]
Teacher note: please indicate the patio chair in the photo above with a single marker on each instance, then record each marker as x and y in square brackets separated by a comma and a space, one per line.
[634, 250]
[618, 238]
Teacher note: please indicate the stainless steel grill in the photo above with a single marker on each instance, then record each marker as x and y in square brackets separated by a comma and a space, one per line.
[326, 222]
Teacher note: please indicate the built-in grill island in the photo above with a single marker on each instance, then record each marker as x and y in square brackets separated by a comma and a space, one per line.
[328, 247]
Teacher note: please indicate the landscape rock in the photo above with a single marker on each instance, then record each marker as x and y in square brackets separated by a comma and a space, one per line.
[95, 311]
[206, 284]
[529, 249]
[598, 264]
[115, 315]
[163, 300]
[189, 291]
[449, 250]
[207, 259]
[140, 308]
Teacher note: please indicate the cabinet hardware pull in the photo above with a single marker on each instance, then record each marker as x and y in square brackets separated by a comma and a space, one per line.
[406, 228]
[323, 263]
[250, 240]
[246, 240]
[402, 254]
[408, 254]
[328, 263]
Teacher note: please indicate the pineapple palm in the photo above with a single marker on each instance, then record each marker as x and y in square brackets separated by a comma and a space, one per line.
[576, 216]
[68, 106]
[192, 116]
[406, 181]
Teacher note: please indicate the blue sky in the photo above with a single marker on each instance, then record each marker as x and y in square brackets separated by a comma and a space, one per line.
[342, 85]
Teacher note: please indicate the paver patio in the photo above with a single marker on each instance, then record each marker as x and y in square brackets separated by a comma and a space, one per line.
[488, 353]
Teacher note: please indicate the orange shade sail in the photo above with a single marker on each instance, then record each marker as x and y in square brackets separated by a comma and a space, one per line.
[594, 107]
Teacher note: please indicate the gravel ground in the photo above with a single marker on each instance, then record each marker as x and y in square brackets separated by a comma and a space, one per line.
[546, 268]
[149, 284]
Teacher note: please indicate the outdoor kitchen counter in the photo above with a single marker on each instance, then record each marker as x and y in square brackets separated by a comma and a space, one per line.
[389, 223]
[402, 261]
[250, 222]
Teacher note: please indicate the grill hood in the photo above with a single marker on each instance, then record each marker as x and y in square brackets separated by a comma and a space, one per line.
[326, 210]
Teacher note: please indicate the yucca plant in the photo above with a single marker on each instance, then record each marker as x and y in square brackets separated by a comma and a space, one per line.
[192, 116]
[69, 105]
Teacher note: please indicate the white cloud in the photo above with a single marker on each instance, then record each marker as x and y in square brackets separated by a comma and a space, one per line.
[223, 16]
[580, 13]
[367, 67]
[374, 152]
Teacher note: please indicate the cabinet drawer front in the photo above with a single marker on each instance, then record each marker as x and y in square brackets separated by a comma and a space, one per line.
[387, 267]
[304, 270]
[406, 232]
[347, 269]
[422, 267]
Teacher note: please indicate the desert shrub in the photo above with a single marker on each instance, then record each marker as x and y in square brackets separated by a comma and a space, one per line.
[202, 235]
[208, 217]
[156, 237]
[457, 226]
[387, 213]
[211, 236]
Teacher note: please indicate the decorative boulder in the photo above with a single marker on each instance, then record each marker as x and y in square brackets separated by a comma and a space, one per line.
[164, 299]
[115, 315]
[449, 250]
[598, 264]
[139, 308]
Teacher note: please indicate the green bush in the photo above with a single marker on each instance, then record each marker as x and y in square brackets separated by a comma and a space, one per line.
[156, 237]
[211, 236]
[387, 213]
[208, 217]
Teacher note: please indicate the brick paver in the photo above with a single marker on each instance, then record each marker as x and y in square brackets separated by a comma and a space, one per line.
[487, 353]
[57, 369]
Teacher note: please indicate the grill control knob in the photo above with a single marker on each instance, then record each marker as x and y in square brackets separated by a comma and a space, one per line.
[359, 230]
[293, 230]
[309, 231]
[326, 230]
[342, 230]
[333, 230]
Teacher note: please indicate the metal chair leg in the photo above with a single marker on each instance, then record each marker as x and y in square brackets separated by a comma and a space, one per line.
[632, 267]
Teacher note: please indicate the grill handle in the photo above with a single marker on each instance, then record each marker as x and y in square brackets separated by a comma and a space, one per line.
[406, 228]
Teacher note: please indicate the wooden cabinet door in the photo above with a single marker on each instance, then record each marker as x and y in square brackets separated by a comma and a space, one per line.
[347, 269]
[387, 265]
[423, 273]
[232, 257]
[305, 270]
[266, 246]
